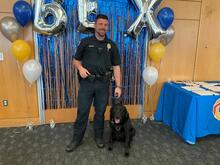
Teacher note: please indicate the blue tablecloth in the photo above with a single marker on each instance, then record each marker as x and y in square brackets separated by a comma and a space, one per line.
[188, 114]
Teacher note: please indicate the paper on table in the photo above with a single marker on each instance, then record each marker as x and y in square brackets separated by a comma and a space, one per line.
[193, 88]
[202, 83]
[214, 88]
[208, 84]
[205, 92]
[214, 84]
[179, 82]
[188, 83]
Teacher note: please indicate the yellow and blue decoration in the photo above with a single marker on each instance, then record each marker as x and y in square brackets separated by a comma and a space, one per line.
[216, 110]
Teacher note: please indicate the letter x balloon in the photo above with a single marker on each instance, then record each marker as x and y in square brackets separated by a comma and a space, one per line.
[146, 18]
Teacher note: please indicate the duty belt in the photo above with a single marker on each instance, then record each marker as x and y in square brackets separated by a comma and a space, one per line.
[106, 77]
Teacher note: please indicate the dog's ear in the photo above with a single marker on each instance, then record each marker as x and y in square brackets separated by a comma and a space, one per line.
[111, 113]
[126, 114]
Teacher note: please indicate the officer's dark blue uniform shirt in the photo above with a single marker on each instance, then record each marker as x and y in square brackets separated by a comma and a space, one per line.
[96, 56]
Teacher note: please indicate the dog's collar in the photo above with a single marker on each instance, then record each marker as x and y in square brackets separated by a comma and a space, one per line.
[118, 128]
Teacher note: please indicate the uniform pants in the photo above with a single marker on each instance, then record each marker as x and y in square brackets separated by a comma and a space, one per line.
[89, 91]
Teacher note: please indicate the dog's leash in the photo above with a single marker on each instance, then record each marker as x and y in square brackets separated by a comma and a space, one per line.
[117, 100]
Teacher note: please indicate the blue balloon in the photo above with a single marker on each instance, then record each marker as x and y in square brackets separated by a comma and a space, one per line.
[23, 12]
[92, 17]
[165, 17]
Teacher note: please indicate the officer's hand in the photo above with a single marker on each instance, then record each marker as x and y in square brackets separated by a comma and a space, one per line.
[83, 72]
[117, 92]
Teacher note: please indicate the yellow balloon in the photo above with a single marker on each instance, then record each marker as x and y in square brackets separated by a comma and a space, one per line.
[156, 51]
[21, 50]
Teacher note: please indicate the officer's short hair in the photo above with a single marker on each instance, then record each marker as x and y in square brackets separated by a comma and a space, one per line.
[101, 16]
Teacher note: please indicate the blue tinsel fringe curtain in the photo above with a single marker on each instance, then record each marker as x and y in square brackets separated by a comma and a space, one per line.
[60, 82]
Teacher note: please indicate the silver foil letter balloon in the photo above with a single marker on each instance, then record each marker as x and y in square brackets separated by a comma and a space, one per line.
[85, 8]
[42, 11]
[146, 18]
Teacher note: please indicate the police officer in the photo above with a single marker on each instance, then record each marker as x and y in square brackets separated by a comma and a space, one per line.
[95, 59]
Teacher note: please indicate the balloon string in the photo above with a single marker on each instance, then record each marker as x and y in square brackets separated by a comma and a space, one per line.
[20, 71]
[18, 65]
[152, 93]
[145, 88]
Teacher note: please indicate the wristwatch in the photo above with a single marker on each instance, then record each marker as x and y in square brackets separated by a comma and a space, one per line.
[118, 86]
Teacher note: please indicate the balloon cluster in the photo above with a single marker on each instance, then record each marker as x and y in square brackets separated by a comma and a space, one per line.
[159, 29]
[10, 26]
[23, 12]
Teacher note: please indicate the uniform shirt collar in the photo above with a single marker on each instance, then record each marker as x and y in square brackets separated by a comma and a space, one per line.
[105, 40]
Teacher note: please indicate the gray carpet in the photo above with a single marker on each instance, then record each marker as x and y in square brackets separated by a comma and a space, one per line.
[154, 143]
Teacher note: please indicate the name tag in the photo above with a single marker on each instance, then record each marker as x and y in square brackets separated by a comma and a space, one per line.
[91, 46]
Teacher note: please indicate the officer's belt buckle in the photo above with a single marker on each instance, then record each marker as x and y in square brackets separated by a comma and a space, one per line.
[91, 77]
[105, 77]
[99, 77]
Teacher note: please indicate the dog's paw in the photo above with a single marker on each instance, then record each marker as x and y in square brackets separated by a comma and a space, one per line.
[126, 154]
[110, 148]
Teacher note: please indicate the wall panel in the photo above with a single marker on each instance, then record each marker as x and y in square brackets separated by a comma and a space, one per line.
[208, 54]
[22, 98]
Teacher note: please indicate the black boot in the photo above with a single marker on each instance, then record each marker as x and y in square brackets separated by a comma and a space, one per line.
[72, 146]
[100, 142]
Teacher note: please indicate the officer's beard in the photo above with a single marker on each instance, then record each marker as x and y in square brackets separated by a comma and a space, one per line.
[100, 35]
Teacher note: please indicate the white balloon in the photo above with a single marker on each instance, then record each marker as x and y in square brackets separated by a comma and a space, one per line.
[32, 70]
[150, 75]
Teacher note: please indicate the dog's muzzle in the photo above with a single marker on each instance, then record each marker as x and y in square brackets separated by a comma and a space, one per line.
[117, 120]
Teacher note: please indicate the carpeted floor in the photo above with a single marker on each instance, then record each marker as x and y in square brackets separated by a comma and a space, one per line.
[154, 143]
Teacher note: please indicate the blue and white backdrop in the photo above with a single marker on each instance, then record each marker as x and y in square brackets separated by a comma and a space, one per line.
[59, 78]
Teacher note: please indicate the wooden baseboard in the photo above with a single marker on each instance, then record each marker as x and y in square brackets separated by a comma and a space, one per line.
[69, 115]
[64, 116]
[18, 122]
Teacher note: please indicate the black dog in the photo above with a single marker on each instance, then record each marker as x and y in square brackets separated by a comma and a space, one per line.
[121, 128]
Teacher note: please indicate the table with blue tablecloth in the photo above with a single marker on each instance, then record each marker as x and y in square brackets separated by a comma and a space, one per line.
[188, 114]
